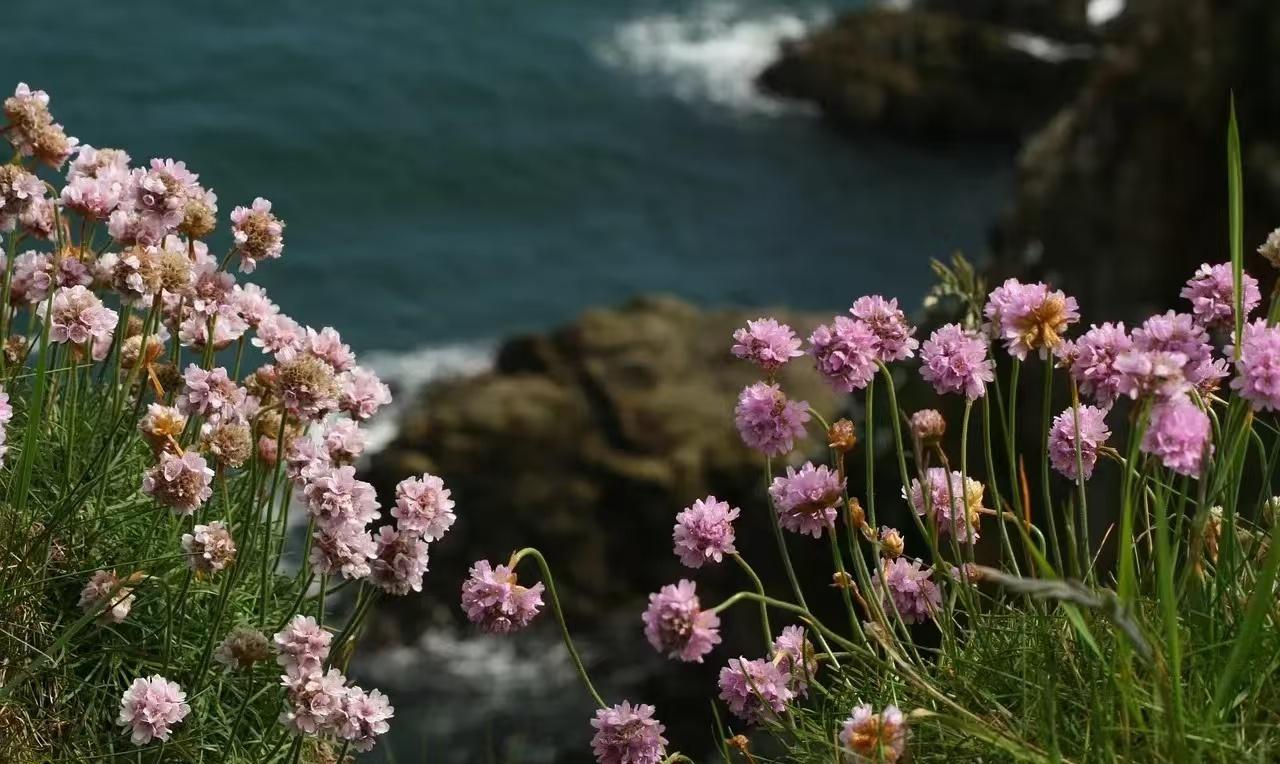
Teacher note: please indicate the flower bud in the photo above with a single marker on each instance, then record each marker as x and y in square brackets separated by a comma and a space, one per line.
[857, 517]
[892, 544]
[928, 427]
[841, 580]
[842, 436]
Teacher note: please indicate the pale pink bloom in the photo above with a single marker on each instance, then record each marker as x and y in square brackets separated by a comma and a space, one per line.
[153, 203]
[677, 626]
[1158, 373]
[1179, 435]
[871, 738]
[1029, 317]
[344, 440]
[768, 421]
[6, 409]
[423, 506]
[328, 346]
[704, 532]
[1063, 441]
[755, 690]
[95, 197]
[362, 393]
[794, 654]
[179, 482]
[400, 561]
[887, 321]
[98, 163]
[19, 189]
[277, 333]
[209, 548]
[1092, 361]
[106, 591]
[1258, 370]
[252, 303]
[1179, 333]
[950, 500]
[258, 234]
[364, 717]
[302, 643]
[627, 734]
[494, 601]
[907, 586]
[211, 394]
[305, 460]
[344, 549]
[38, 219]
[151, 707]
[954, 360]
[846, 353]
[806, 500]
[1212, 294]
[314, 700]
[766, 343]
[228, 326]
[335, 498]
[78, 316]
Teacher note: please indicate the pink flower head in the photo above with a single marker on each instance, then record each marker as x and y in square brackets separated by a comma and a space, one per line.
[334, 497]
[495, 602]
[302, 643]
[806, 500]
[327, 345]
[794, 654]
[6, 409]
[252, 303]
[1142, 373]
[1258, 370]
[755, 690]
[766, 343]
[151, 707]
[77, 316]
[344, 549]
[887, 321]
[98, 163]
[209, 548]
[305, 460]
[954, 501]
[704, 532]
[210, 394]
[846, 353]
[31, 129]
[677, 626]
[1179, 333]
[768, 421]
[258, 234]
[627, 734]
[106, 591]
[315, 700]
[227, 326]
[362, 393]
[19, 190]
[153, 202]
[1178, 435]
[423, 506]
[94, 198]
[1030, 317]
[1093, 432]
[1093, 358]
[954, 360]
[364, 718]
[1212, 294]
[344, 440]
[179, 482]
[874, 738]
[277, 333]
[400, 561]
[907, 586]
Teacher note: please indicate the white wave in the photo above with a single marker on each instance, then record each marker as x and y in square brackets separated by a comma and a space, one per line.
[409, 372]
[710, 54]
[1100, 12]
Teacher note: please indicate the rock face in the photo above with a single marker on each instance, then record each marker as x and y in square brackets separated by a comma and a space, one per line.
[929, 74]
[586, 442]
[1123, 193]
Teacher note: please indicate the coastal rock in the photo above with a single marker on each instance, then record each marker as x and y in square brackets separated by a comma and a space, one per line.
[586, 442]
[929, 74]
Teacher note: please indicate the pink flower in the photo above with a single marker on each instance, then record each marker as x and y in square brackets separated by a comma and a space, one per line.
[307, 386]
[344, 440]
[954, 501]
[1212, 294]
[766, 343]
[1092, 361]
[423, 506]
[334, 497]
[495, 602]
[893, 334]
[362, 393]
[768, 421]
[258, 234]
[19, 190]
[1029, 317]
[1179, 333]
[98, 163]
[151, 707]
[794, 654]
[344, 549]
[954, 360]
[875, 738]
[106, 591]
[305, 460]
[1258, 370]
[302, 643]
[153, 203]
[755, 690]
[77, 316]
[31, 128]
[179, 482]
[906, 586]
[1178, 435]
[400, 561]
[252, 303]
[1159, 373]
[1063, 441]
[211, 394]
[806, 501]
[326, 345]
[315, 700]
[846, 353]
[209, 548]
[677, 626]
[364, 717]
[277, 333]
[94, 198]
[627, 734]
[704, 532]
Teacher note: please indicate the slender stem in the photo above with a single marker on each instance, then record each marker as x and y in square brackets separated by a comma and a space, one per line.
[764, 609]
[776, 523]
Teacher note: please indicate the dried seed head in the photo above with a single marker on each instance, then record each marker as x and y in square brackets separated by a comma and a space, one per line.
[841, 580]
[15, 350]
[161, 427]
[229, 444]
[842, 436]
[857, 517]
[175, 271]
[199, 218]
[131, 351]
[892, 544]
[242, 648]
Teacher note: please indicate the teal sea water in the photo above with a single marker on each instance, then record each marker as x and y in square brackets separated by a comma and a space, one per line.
[458, 170]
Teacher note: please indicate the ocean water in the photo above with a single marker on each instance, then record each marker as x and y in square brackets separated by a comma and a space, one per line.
[455, 171]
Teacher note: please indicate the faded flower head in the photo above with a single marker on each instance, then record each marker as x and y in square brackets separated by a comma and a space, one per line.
[768, 421]
[1179, 435]
[928, 427]
[704, 532]
[871, 738]
[806, 500]
[755, 690]
[242, 648]
[1270, 248]
[494, 601]
[677, 626]
[229, 444]
[1029, 317]
[846, 353]
[151, 707]
[423, 506]
[258, 234]
[1063, 440]
[106, 591]
[32, 130]
[307, 386]
[766, 343]
[179, 482]
[954, 360]
[892, 544]
[888, 323]
[209, 548]
[161, 427]
[1212, 294]
[627, 734]
[907, 586]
